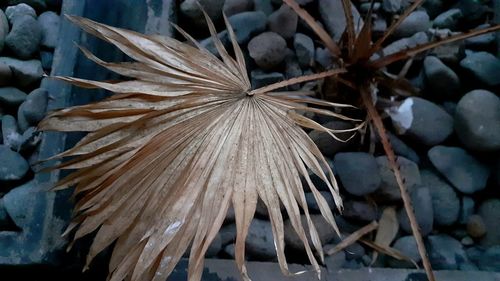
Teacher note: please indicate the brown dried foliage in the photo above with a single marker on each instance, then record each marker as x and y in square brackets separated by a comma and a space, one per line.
[178, 144]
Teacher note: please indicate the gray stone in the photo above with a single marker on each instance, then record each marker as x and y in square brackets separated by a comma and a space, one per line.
[481, 41]
[474, 253]
[264, 6]
[11, 97]
[283, 21]
[191, 11]
[415, 22]
[335, 262]
[422, 120]
[466, 173]
[441, 79]
[477, 120]
[11, 136]
[49, 24]
[353, 169]
[4, 217]
[35, 106]
[30, 139]
[267, 49]
[379, 26]
[292, 69]
[352, 265]
[408, 247]
[389, 189]
[25, 72]
[4, 29]
[17, 11]
[228, 234]
[12, 165]
[467, 241]
[406, 43]
[488, 210]
[450, 53]
[365, 7]
[401, 149]
[448, 19]
[304, 48]
[332, 14]
[359, 211]
[232, 7]
[22, 123]
[445, 202]
[313, 205]
[46, 58]
[260, 78]
[328, 145]
[24, 37]
[490, 259]
[483, 66]
[354, 251]
[391, 6]
[247, 24]
[424, 213]
[467, 206]
[230, 250]
[5, 75]
[215, 247]
[325, 231]
[208, 43]
[260, 241]
[316, 180]
[445, 252]
[476, 227]
[323, 57]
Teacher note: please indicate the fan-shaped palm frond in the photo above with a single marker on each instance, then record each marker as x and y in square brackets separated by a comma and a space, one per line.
[181, 141]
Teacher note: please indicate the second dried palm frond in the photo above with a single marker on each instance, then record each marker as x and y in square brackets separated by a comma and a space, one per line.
[179, 143]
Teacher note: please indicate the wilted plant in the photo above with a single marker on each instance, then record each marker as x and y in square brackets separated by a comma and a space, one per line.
[365, 74]
[179, 143]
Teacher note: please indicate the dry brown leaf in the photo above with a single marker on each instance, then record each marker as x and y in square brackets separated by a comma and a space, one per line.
[177, 145]
[387, 229]
[388, 251]
[353, 237]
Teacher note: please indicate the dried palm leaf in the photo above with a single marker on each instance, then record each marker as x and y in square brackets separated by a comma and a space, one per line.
[185, 138]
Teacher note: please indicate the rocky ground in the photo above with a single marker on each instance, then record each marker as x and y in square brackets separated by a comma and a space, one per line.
[447, 139]
[28, 36]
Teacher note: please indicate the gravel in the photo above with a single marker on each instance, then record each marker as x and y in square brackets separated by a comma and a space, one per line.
[350, 165]
[422, 120]
[12, 165]
[267, 49]
[477, 120]
[389, 189]
[466, 173]
[483, 66]
[283, 21]
[445, 202]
